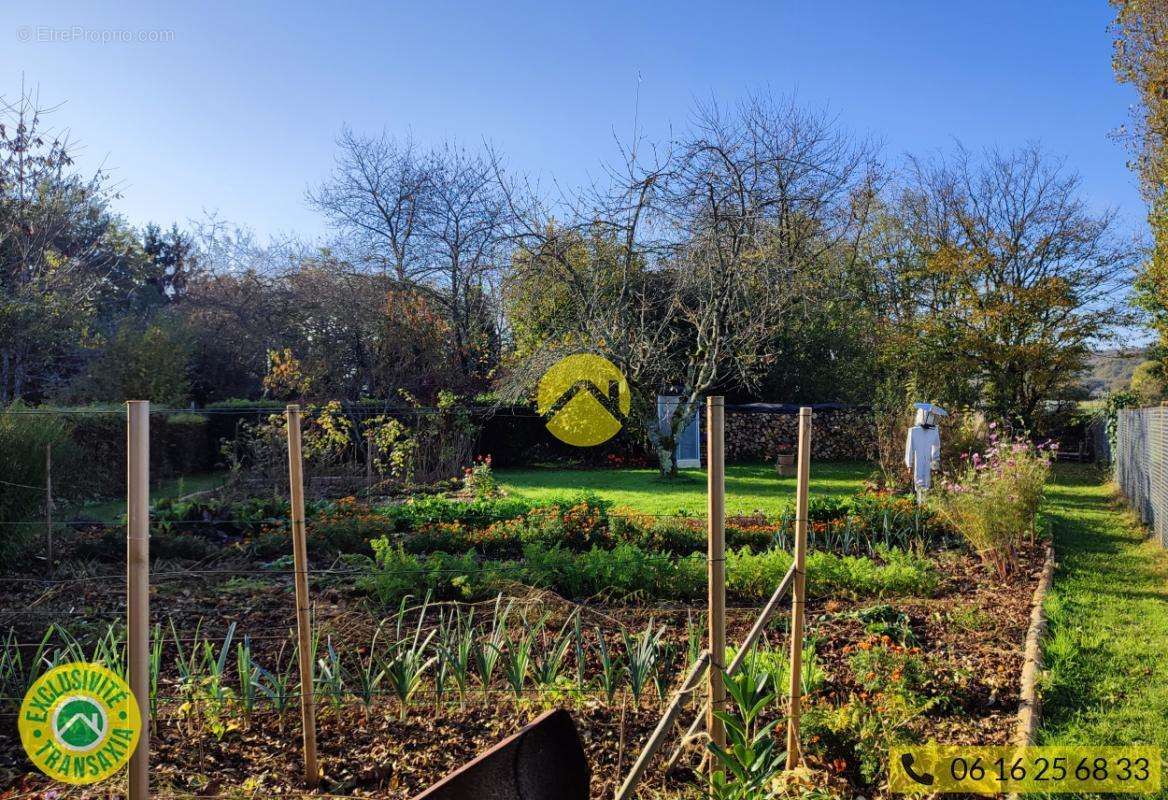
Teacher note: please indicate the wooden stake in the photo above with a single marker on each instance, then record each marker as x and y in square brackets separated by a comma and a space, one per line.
[368, 460]
[799, 595]
[691, 682]
[49, 505]
[303, 623]
[748, 643]
[138, 585]
[716, 557]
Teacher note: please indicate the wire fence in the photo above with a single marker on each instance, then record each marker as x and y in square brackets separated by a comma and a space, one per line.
[1141, 465]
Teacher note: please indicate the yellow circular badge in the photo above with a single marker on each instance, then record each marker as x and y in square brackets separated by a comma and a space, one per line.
[585, 399]
[79, 723]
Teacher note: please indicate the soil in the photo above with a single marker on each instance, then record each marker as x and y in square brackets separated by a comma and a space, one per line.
[971, 632]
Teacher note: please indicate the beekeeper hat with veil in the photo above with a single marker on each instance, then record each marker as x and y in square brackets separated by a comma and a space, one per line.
[928, 414]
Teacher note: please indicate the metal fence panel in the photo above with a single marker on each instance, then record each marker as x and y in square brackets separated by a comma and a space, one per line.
[1141, 465]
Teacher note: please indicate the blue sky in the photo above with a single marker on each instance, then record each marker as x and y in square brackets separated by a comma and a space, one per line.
[236, 109]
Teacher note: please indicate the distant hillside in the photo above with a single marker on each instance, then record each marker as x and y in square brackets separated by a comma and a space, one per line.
[1109, 370]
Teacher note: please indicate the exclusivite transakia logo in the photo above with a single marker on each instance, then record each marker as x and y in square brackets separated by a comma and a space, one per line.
[79, 723]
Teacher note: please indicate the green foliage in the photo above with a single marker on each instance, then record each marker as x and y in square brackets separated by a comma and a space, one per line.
[884, 620]
[868, 728]
[479, 479]
[754, 575]
[142, 362]
[499, 528]
[881, 665]
[1141, 28]
[1147, 382]
[993, 500]
[24, 439]
[751, 759]
[1112, 405]
[627, 571]
[775, 664]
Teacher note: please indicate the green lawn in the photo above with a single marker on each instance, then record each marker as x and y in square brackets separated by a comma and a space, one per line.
[112, 510]
[1107, 649]
[749, 487]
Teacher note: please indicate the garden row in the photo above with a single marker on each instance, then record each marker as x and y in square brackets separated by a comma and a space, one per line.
[873, 675]
[447, 654]
[581, 546]
[500, 527]
[436, 660]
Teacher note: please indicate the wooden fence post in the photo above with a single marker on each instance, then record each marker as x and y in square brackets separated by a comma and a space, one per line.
[368, 460]
[303, 622]
[716, 527]
[49, 505]
[138, 585]
[798, 596]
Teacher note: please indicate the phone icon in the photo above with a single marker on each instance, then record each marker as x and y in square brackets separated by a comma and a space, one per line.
[924, 779]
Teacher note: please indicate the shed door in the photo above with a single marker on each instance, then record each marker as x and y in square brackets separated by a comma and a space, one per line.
[689, 446]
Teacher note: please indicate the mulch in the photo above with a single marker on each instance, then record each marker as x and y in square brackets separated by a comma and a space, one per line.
[976, 665]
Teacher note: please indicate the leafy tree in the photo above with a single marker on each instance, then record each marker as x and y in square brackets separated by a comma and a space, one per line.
[1003, 279]
[53, 251]
[142, 362]
[1147, 382]
[1141, 60]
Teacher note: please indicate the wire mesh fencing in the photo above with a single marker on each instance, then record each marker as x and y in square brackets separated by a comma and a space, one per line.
[1141, 449]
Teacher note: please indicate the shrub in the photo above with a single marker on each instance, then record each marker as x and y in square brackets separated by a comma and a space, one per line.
[183, 441]
[479, 479]
[993, 500]
[868, 728]
[24, 438]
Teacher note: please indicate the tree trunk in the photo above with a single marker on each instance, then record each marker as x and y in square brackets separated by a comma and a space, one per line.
[666, 458]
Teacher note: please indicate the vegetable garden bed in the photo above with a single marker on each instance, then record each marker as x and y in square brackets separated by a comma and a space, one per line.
[934, 658]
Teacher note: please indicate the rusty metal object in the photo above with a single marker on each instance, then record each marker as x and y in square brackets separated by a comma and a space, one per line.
[543, 761]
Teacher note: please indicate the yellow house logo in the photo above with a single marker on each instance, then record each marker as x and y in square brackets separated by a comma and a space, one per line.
[584, 398]
[79, 723]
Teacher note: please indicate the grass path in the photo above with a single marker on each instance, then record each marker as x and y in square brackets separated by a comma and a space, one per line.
[749, 487]
[1107, 647]
[112, 510]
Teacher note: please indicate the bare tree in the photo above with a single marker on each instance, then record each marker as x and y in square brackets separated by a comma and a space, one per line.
[461, 227]
[432, 219]
[680, 271]
[373, 197]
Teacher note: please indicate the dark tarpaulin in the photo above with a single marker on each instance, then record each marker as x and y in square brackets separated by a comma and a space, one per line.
[543, 761]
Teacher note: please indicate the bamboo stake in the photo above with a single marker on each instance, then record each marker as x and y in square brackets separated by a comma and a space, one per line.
[303, 623]
[49, 504]
[799, 596]
[691, 682]
[749, 642]
[716, 525]
[138, 585]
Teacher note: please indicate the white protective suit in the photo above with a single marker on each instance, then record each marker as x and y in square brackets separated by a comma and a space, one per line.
[922, 446]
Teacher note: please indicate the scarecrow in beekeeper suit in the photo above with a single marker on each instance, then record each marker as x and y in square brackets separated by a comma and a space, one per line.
[922, 448]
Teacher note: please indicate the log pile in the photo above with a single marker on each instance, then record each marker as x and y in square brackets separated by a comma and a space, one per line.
[844, 434]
